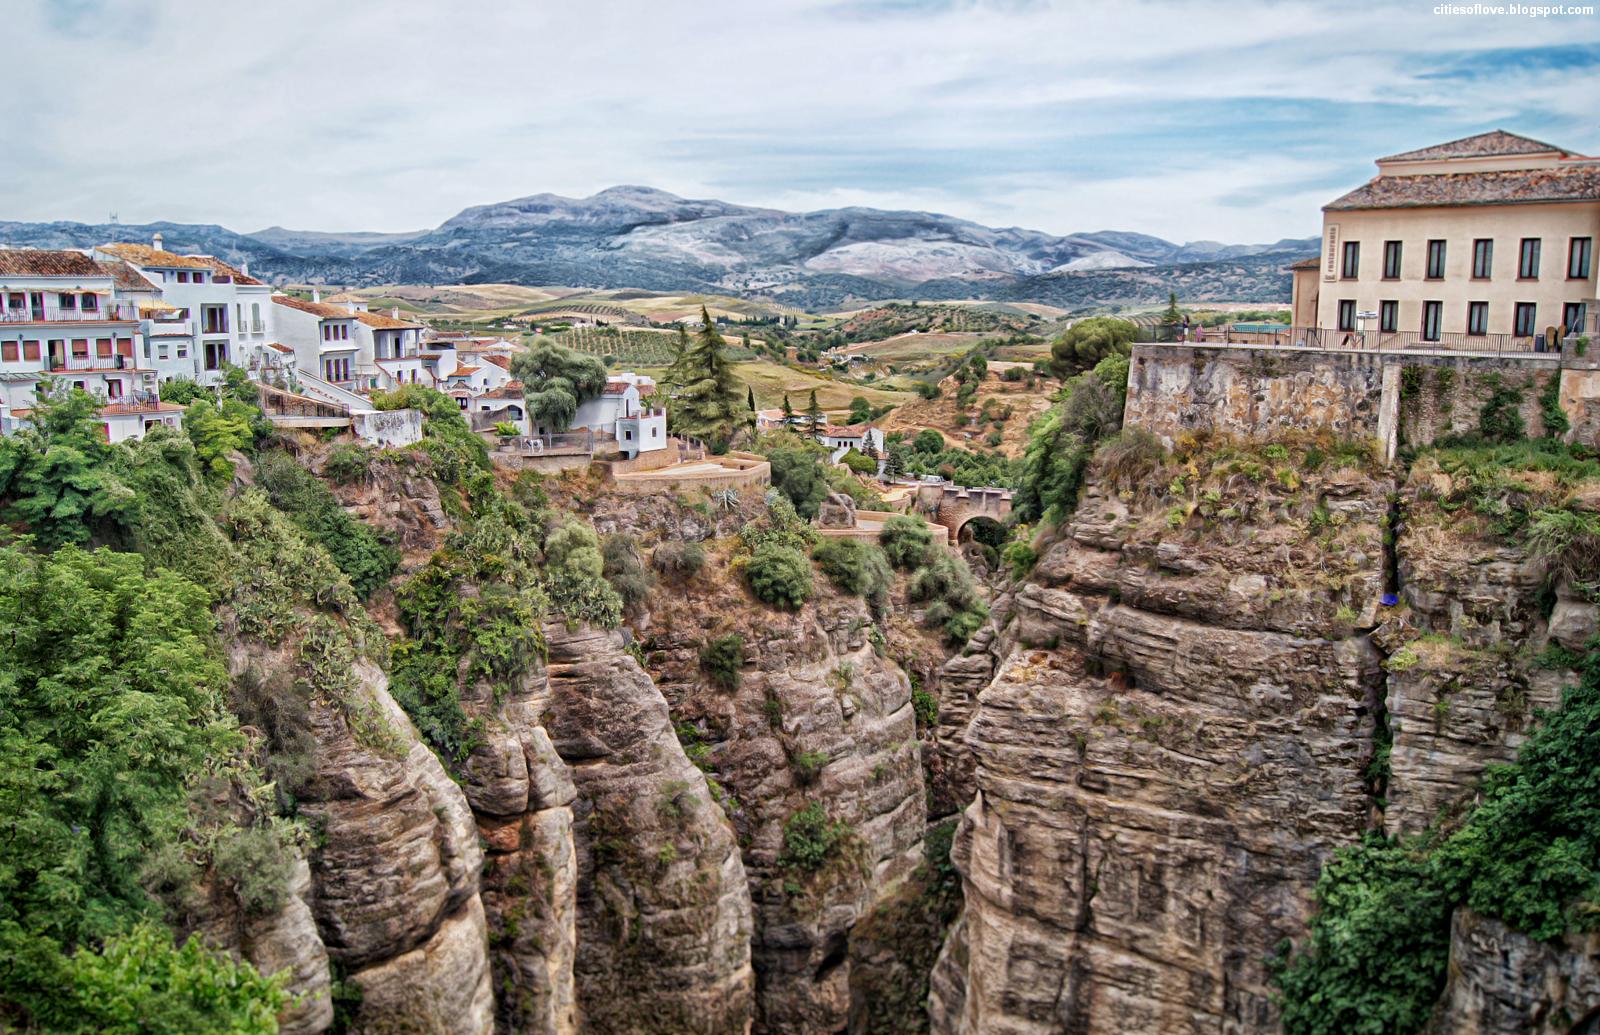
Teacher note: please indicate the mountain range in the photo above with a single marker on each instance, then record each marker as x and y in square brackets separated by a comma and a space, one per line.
[640, 237]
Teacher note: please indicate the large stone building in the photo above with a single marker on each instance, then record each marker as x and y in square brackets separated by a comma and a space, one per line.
[1486, 239]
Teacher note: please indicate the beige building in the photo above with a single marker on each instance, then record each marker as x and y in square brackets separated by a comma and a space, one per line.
[1485, 240]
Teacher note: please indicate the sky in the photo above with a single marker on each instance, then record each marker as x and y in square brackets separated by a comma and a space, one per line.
[1229, 121]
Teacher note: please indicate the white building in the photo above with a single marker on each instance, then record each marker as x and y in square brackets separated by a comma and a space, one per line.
[860, 437]
[223, 312]
[61, 323]
[326, 343]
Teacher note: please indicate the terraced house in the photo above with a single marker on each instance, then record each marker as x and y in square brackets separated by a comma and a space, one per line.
[63, 322]
[1485, 240]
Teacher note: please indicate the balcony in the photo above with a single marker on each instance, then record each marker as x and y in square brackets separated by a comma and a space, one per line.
[70, 363]
[119, 312]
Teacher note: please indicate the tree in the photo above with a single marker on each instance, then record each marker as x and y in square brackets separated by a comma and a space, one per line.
[1173, 316]
[707, 404]
[814, 417]
[929, 441]
[780, 575]
[750, 398]
[860, 410]
[1089, 341]
[58, 475]
[797, 473]
[219, 430]
[788, 410]
[894, 464]
[556, 381]
[1061, 442]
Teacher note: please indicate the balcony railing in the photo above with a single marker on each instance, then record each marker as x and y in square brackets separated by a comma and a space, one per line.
[94, 363]
[111, 311]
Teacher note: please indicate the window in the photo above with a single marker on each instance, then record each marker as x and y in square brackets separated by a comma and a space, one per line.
[30, 350]
[1477, 317]
[183, 351]
[1351, 266]
[255, 317]
[67, 302]
[1578, 256]
[114, 388]
[80, 348]
[1435, 260]
[125, 347]
[1573, 317]
[1347, 314]
[183, 277]
[161, 350]
[1482, 258]
[214, 319]
[199, 277]
[102, 348]
[8, 351]
[91, 303]
[1391, 260]
[1432, 314]
[1389, 316]
[1526, 319]
[1528, 260]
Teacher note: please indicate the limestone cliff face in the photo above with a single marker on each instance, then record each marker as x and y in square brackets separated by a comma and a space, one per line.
[1505, 983]
[1173, 738]
[818, 719]
[663, 914]
[393, 872]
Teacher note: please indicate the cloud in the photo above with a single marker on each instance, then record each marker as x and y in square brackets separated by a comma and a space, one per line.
[1206, 119]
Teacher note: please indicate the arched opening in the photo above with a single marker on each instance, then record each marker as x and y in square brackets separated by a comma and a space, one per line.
[985, 530]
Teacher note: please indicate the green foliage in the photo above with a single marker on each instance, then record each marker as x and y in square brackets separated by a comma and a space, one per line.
[858, 568]
[460, 458]
[782, 527]
[797, 472]
[110, 710]
[926, 708]
[808, 765]
[1061, 442]
[507, 428]
[954, 604]
[347, 463]
[928, 440]
[779, 575]
[555, 382]
[1527, 854]
[355, 547]
[219, 430]
[1087, 342]
[906, 540]
[860, 463]
[811, 839]
[1552, 415]
[57, 476]
[138, 983]
[1500, 419]
[679, 560]
[625, 570]
[722, 660]
[181, 391]
[708, 404]
[1020, 557]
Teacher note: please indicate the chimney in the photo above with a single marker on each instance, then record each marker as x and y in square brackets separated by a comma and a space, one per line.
[244, 267]
[316, 296]
[155, 242]
[394, 312]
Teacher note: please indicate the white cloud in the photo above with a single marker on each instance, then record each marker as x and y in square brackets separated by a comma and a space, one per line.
[396, 115]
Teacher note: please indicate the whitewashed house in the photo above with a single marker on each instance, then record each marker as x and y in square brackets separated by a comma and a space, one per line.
[326, 344]
[860, 437]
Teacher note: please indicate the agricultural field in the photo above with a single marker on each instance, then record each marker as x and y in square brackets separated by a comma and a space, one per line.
[1001, 408]
[772, 381]
[916, 346]
[634, 346]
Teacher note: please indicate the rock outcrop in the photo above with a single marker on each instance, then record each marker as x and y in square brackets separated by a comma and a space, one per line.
[817, 720]
[663, 907]
[1174, 738]
[1505, 983]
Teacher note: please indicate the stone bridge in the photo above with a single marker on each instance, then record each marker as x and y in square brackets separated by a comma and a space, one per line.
[955, 506]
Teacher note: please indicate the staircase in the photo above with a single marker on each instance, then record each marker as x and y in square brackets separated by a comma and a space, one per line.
[326, 391]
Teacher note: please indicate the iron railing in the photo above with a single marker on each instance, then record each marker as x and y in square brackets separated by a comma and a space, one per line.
[1332, 339]
[109, 312]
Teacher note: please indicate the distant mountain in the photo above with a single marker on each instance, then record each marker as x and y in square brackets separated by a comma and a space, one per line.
[646, 238]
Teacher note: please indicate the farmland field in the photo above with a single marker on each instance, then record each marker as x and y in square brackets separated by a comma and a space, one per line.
[634, 346]
[772, 380]
[910, 347]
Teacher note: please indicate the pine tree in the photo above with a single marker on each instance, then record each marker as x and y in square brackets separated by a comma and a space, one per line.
[706, 405]
[788, 409]
[750, 398]
[1173, 316]
[814, 413]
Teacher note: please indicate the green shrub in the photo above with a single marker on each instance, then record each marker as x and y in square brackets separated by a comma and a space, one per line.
[906, 541]
[507, 428]
[928, 440]
[857, 568]
[779, 575]
[354, 546]
[860, 463]
[811, 840]
[808, 765]
[722, 659]
[797, 472]
[679, 560]
[347, 463]
[1089, 341]
[625, 570]
[926, 708]
[954, 604]
[1500, 419]
[1552, 415]
[1020, 557]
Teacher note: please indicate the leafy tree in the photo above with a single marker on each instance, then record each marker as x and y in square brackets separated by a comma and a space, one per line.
[219, 430]
[182, 391]
[556, 381]
[354, 546]
[110, 708]
[722, 660]
[58, 474]
[860, 410]
[955, 605]
[574, 572]
[857, 568]
[1089, 341]
[1061, 441]
[139, 983]
[797, 473]
[707, 404]
[928, 440]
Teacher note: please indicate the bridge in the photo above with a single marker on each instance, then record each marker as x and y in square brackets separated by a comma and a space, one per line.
[956, 506]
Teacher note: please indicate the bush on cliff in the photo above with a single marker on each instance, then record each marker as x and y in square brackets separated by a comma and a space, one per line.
[1061, 441]
[1088, 342]
[954, 604]
[722, 659]
[679, 560]
[779, 575]
[857, 568]
[906, 541]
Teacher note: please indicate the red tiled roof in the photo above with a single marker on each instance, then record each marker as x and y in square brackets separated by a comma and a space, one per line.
[239, 277]
[124, 276]
[1496, 143]
[47, 262]
[510, 390]
[144, 255]
[319, 309]
[1579, 181]
[503, 362]
[1306, 264]
[280, 347]
[617, 387]
[462, 372]
[387, 323]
